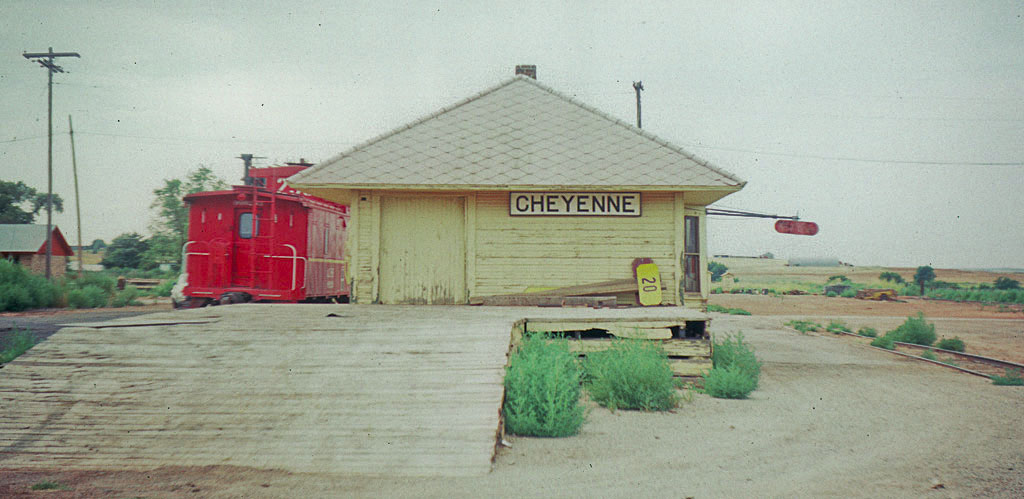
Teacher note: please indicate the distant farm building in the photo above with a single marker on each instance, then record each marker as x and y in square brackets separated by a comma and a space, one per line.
[25, 244]
[516, 188]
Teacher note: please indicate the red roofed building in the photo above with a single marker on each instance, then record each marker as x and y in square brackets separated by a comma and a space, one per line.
[25, 244]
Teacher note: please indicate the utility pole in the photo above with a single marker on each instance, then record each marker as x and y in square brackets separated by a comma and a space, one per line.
[78, 206]
[45, 59]
[638, 86]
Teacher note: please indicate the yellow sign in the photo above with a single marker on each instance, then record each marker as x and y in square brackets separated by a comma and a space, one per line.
[648, 282]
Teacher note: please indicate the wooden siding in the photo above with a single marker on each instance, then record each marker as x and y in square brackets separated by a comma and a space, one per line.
[423, 250]
[366, 233]
[504, 254]
[515, 253]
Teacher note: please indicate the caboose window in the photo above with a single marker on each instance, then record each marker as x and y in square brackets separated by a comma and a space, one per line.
[245, 226]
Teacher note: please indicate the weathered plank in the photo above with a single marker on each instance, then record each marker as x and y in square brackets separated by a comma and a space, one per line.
[672, 348]
[690, 367]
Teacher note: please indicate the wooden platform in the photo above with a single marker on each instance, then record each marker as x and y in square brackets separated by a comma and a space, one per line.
[374, 390]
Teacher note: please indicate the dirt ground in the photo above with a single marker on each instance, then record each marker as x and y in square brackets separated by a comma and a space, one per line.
[986, 329]
[830, 418]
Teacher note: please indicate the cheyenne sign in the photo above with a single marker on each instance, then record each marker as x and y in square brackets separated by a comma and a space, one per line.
[601, 204]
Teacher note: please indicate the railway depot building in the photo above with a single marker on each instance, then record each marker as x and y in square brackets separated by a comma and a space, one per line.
[518, 188]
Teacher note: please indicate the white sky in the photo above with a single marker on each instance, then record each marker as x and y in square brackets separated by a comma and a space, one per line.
[877, 120]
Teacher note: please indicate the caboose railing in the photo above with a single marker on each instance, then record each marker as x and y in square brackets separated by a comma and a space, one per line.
[295, 258]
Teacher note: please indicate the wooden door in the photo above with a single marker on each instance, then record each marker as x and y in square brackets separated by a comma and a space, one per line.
[423, 250]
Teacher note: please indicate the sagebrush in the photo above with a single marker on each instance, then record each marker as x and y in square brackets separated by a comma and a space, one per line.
[631, 374]
[542, 389]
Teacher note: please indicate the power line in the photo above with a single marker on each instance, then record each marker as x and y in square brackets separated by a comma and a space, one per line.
[16, 139]
[861, 160]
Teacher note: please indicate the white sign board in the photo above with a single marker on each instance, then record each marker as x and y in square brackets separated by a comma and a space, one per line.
[574, 204]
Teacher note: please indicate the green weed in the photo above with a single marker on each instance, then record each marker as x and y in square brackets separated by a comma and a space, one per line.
[729, 383]
[725, 310]
[914, 330]
[631, 374]
[868, 332]
[955, 344]
[126, 297]
[837, 327]
[885, 342]
[928, 354]
[1012, 378]
[20, 289]
[88, 297]
[50, 485]
[542, 389]
[804, 326]
[17, 343]
[736, 369]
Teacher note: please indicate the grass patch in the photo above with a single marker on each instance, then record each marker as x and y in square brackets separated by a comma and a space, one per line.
[928, 354]
[631, 374]
[542, 389]
[837, 327]
[804, 326]
[725, 310]
[1012, 378]
[955, 344]
[868, 332]
[736, 369]
[949, 362]
[17, 343]
[50, 485]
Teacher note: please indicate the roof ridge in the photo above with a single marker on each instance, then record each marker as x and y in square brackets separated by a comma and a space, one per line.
[643, 133]
[406, 126]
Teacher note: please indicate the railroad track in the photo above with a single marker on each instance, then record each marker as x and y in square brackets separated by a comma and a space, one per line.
[969, 363]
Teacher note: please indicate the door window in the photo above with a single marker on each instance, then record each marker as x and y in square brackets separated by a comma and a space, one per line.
[246, 229]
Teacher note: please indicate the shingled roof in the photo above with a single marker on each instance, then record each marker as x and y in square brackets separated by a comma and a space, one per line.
[517, 135]
[30, 238]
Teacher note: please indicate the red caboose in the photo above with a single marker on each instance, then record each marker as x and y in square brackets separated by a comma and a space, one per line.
[264, 242]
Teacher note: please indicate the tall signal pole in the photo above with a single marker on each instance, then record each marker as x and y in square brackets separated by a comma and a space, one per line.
[638, 86]
[45, 59]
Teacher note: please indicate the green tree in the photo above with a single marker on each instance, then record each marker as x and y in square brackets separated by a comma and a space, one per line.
[924, 275]
[1007, 283]
[19, 203]
[160, 249]
[717, 271]
[125, 251]
[171, 220]
[97, 244]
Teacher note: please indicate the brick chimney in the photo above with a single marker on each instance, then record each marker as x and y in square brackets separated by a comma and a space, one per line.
[527, 69]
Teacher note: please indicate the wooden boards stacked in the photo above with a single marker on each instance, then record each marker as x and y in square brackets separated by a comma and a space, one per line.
[689, 357]
[602, 294]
